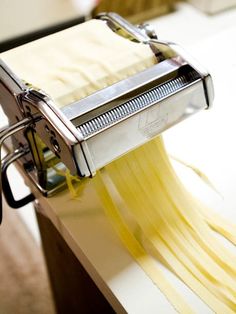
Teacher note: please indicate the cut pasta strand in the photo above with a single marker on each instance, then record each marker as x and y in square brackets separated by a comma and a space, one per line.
[137, 251]
[136, 190]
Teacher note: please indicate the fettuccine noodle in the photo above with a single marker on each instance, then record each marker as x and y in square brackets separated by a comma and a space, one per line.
[172, 223]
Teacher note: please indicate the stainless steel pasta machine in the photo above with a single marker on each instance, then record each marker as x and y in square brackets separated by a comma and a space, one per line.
[86, 135]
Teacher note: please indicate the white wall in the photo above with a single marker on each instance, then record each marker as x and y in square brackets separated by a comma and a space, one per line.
[18, 17]
[213, 6]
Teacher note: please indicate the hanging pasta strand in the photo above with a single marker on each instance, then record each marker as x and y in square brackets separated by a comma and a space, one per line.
[172, 232]
[136, 249]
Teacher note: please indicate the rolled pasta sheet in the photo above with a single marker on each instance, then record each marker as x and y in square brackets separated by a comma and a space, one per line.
[78, 61]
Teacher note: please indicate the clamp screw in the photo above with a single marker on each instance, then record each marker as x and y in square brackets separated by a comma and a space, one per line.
[148, 30]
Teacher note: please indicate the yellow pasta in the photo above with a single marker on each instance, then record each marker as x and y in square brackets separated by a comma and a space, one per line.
[146, 184]
[136, 249]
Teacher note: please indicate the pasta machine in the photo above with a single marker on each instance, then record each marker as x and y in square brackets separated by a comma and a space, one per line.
[87, 134]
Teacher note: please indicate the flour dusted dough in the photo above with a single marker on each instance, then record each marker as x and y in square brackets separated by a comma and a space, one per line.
[76, 62]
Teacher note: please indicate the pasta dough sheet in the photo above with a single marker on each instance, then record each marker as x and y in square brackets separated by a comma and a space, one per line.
[78, 61]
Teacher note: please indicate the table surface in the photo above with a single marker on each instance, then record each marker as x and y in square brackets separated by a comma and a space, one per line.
[206, 140]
